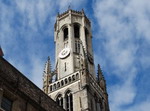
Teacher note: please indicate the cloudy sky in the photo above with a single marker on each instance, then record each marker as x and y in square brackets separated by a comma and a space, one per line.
[121, 41]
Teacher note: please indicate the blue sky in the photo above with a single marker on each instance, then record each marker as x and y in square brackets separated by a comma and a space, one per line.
[121, 42]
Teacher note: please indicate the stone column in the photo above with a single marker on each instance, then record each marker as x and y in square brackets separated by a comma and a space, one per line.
[70, 43]
[83, 39]
[64, 101]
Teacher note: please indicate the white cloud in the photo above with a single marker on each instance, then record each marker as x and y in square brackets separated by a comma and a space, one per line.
[23, 34]
[142, 106]
[37, 70]
[123, 24]
[121, 95]
[26, 33]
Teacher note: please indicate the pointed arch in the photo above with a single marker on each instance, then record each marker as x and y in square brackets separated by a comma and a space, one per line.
[68, 89]
[65, 31]
[64, 28]
[59, 93]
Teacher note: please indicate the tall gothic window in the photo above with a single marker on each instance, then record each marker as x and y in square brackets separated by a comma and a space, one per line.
[77, 46]
[59, 100]
[76, 31]
[86, 36]
[69, 101]
[65, 33]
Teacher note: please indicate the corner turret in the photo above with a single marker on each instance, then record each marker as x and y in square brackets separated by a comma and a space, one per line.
[47, 76]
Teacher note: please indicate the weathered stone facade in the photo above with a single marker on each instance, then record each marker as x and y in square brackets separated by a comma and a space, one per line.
[73, 84]
[21, 92]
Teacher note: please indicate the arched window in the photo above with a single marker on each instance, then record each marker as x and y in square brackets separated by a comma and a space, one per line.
[58, 85]
[69, 101]
[65, 33]
[77, 76]
[76, 31]
[59, 100]
[62, 83]
[54, 87]
[66, 81]
[73, 77]
[69, 79]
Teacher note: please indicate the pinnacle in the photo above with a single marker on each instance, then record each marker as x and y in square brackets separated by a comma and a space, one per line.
[47, 69]
[100, 73]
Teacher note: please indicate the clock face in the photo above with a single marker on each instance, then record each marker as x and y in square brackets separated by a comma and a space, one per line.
[64, 53]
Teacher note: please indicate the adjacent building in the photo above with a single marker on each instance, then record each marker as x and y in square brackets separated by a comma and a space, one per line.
[18, 93]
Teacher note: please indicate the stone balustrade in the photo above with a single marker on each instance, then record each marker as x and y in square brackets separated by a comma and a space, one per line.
[64, 81]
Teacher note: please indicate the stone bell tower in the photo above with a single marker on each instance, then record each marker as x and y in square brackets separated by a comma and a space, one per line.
[73, 40]
[73, 84]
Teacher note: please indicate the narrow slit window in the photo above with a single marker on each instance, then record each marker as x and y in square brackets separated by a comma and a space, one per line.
[76, 47]
[86, 36]
[65, 67]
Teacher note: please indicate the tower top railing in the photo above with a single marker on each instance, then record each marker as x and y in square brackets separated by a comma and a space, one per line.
[73, 12]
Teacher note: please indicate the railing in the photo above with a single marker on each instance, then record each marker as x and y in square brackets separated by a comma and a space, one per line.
[64, 81]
